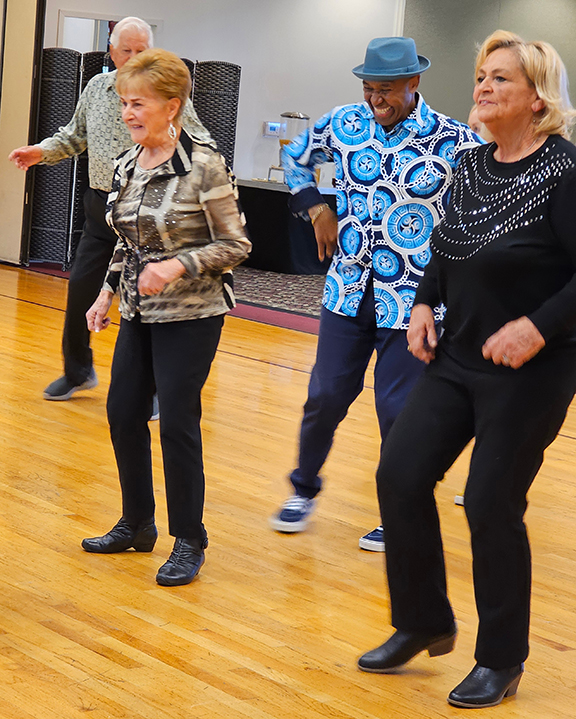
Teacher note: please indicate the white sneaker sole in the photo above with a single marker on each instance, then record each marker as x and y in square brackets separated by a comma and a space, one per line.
[288, 527]
[370, 546]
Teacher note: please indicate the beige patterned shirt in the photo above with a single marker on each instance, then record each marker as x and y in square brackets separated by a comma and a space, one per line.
[97, 124]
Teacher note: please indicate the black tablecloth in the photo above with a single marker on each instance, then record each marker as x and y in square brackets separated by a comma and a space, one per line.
[280, 241]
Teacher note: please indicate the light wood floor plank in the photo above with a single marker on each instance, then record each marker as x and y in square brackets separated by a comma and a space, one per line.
[274, 624]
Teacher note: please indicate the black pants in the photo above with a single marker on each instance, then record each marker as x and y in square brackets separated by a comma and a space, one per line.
[172, 359]
[514, 415]
[93, 255]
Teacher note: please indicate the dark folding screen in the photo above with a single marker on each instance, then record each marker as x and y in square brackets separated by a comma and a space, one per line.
[57, 210]
[51, 217]
[215, 97]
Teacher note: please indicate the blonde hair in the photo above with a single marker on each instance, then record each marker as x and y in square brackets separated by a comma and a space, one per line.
[160, 71]
[545, 72]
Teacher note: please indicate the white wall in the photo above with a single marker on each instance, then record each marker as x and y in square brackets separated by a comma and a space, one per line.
[295, 55]
[79, 34]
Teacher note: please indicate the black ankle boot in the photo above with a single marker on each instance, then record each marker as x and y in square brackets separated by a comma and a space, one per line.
[485, 687]
[123, 536]
[404, 646]
[183, 564]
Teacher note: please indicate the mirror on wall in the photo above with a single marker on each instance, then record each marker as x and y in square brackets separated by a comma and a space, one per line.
[86, 32]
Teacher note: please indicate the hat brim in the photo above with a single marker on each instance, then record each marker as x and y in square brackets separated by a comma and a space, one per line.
[400, 75]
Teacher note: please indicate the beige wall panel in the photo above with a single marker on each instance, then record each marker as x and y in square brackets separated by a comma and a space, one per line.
[14, 120]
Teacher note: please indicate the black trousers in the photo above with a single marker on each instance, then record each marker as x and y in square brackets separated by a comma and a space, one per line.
[172, 359]
[93, 255]
[514, 415]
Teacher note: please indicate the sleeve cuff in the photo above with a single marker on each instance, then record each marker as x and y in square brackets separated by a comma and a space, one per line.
[189, 263]
[302, 201]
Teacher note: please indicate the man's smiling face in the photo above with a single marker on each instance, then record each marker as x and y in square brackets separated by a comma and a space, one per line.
[391, 101]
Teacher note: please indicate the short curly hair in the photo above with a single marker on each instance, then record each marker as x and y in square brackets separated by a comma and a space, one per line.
[545, 72]
[159, 70]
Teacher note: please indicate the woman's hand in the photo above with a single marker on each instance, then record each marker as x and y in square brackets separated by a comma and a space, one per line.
[326, 231]
[421, 333]
[156, 275]
[96, 315]
[514, 344]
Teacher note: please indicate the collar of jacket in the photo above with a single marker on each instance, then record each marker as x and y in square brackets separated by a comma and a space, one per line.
[179, 164]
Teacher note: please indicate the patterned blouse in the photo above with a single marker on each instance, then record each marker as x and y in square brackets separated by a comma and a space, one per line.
[392, 188]
[185, 208]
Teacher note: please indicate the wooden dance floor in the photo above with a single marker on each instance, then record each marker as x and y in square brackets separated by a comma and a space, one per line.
[274, 624]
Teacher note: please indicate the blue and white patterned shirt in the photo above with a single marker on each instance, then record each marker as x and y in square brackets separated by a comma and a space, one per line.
[391, 189]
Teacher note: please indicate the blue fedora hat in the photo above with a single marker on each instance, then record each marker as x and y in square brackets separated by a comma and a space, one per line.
[391, 58]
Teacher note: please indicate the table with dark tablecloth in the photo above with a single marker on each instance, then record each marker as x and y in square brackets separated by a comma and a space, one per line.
[281, 242]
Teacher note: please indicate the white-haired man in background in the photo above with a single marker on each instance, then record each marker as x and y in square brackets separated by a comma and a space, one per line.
[97, 126]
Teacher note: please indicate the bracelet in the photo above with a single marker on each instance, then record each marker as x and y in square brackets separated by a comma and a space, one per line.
[315, 215]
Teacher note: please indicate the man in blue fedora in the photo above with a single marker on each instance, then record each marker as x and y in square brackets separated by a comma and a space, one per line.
[394, 159]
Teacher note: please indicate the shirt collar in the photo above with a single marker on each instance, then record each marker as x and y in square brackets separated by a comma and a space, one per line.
[179, 164]
[415, 122]
[111, 77]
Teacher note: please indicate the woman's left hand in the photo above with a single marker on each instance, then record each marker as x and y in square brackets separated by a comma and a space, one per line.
[156, 275]
[514, 344]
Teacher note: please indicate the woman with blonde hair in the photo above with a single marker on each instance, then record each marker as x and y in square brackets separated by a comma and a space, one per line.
[179, 232]
[503, 371]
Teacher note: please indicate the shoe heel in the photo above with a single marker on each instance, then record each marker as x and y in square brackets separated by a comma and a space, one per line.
[146, 546]
[513, 688]
[442, 646]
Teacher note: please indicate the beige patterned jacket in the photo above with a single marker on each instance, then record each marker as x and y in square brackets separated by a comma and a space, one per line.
[188, 210]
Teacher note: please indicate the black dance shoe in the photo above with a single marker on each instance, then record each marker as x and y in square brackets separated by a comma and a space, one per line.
[404, 646]
[485, 687]
[123, 536]
[183, 564]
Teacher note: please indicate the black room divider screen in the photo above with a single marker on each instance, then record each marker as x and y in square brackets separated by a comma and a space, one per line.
[57, 211]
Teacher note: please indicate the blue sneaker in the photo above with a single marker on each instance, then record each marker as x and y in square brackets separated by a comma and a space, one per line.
[373, 541]
[293, 515]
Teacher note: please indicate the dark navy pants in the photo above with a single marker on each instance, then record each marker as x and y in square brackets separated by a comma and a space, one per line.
[345, 346]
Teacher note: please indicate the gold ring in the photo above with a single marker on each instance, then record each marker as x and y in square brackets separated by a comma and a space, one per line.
[505, 360]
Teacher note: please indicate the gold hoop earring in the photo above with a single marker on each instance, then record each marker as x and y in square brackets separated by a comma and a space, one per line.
[172, 134]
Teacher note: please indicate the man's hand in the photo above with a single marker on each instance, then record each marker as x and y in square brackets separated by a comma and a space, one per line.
[96, 315]
[421, 333]
[156, 275]
[25, 157]
[514, 344]
[326, 231]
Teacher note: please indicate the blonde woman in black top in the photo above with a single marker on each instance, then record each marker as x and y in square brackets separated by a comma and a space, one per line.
[503, 371]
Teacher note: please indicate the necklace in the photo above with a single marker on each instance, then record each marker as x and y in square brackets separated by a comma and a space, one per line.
[523, 155]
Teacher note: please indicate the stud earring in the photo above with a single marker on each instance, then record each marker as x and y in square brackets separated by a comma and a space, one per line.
[172, 134]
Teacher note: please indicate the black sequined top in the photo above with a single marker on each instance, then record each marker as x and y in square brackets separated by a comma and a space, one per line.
[506, 249]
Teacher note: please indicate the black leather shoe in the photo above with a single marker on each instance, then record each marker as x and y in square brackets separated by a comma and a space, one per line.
[183, 564]
[485, 687]
[123, 536]
[404, 646]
